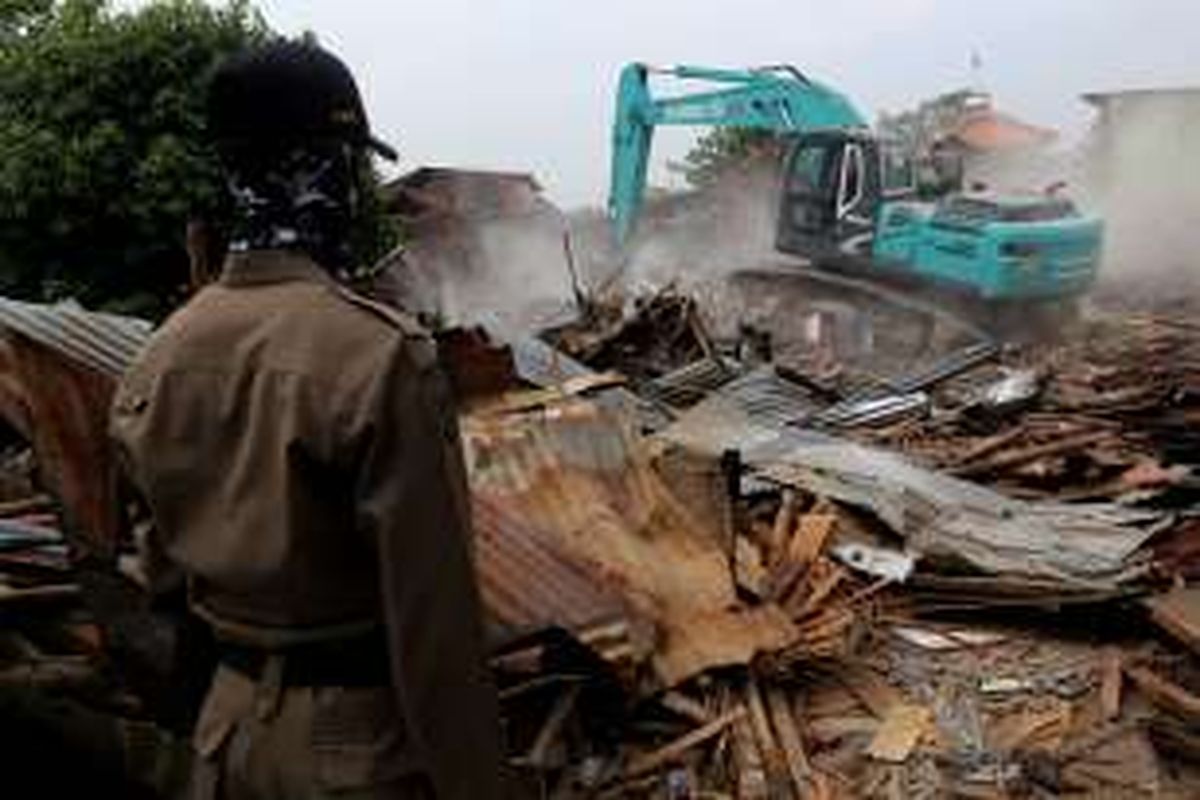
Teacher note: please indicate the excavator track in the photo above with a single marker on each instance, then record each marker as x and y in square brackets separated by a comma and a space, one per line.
[813, 313]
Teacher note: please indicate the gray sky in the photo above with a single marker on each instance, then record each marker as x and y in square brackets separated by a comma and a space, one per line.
[528, 84]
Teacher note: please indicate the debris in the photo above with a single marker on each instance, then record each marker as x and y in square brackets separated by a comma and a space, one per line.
[563, 706]
[1015, 391]
[1110, 683]
[689, 594]
[1008, 460]
[872, 412]
[1163, 693]
[574, 474]
[665, 755]
[1178, 613]
[902, 729]
[783, 720]
[890, 564]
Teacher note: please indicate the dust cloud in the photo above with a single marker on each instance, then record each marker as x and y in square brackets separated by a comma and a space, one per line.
[1144, 177]
[700, 238]
[508, 274]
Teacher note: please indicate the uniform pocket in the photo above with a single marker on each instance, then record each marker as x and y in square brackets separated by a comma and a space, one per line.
[358, 739]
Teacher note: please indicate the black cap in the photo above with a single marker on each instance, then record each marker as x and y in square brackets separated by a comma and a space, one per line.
[287, 93]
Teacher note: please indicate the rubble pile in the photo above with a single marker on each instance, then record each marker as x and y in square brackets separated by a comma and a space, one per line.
[708, 572]
[965, 581]
[1102, 417]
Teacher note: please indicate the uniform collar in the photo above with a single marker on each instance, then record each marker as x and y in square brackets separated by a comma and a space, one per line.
[261, 267]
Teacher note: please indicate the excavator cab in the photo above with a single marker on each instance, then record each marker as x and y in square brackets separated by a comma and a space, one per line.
[833, 184]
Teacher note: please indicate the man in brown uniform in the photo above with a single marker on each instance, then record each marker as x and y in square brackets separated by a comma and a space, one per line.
[298, 450]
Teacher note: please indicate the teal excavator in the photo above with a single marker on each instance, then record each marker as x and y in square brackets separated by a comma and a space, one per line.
[847, 201]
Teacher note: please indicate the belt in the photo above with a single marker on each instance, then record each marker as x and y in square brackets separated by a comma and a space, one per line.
[361, 661]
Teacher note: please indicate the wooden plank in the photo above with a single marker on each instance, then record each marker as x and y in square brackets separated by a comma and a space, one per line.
[871, 690]
[785, 518]
[748, 762]
[900, 733]
[1017, 458]
[784, 720]
[1178, 613]
[538, 754]
[773, 756]
[685, 706]
[671, 752]
[989, 445]
[1110, 682]
[812, 532]
[1165, 694]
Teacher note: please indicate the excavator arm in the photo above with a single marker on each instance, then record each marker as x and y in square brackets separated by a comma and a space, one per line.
[770, 98]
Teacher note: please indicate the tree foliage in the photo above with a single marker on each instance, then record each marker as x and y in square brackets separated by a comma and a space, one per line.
[102, 153]
[722, 149]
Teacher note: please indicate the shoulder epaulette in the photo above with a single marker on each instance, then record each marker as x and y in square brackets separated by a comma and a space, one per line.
[403, 322]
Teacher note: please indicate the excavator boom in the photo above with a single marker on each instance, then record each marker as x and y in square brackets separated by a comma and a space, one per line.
[769, 98]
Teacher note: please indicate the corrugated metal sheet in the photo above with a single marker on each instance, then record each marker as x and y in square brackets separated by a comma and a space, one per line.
[939, 516]
[573, 488]
[526, 583]
[104, 342]
[60, 404]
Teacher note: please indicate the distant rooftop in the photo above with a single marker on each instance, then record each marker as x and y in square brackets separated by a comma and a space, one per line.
[1181, 92]
[422, 176]
[990, 131]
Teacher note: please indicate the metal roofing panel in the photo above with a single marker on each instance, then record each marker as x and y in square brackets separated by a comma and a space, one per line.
[104, 342]
[526, 583]
[574, 474]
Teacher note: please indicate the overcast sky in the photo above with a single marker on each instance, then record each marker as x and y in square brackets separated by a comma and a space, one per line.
[528, 84]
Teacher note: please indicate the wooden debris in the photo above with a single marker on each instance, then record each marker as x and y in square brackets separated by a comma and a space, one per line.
[902, 729]
[1110, 682]
[671, 752]
[1165, 694]
[990, 445]
[1178, 613]
[1009, 460]
[785, 519]
[750, 771]
[749, 571]
[773, 756]
[783, 719]
[1029, 730]
[810, 536]
[552, 727]
[685, 706]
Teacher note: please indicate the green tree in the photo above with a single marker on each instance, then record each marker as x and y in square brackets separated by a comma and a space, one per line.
[102, 153]
[722, 149]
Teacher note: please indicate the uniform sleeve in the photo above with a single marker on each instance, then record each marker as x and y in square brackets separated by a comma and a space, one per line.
[150, 567]
[412, 502]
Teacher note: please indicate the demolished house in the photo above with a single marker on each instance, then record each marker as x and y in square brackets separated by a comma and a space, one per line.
[474, 243]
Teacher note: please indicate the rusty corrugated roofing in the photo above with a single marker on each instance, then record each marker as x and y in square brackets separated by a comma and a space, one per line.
[526, 584]
[585, 497]
[107, 343]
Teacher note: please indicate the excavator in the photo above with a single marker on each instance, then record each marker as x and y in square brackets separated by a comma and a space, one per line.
[847, 204]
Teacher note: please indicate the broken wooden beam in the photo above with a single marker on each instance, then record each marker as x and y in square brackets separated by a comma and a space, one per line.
[1017, 458]
[538, 754]
[784, 720]
[1178, 613]
[1165, 694]
[669, 753]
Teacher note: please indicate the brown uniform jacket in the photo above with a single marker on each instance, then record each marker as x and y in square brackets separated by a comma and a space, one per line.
[298, 449]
